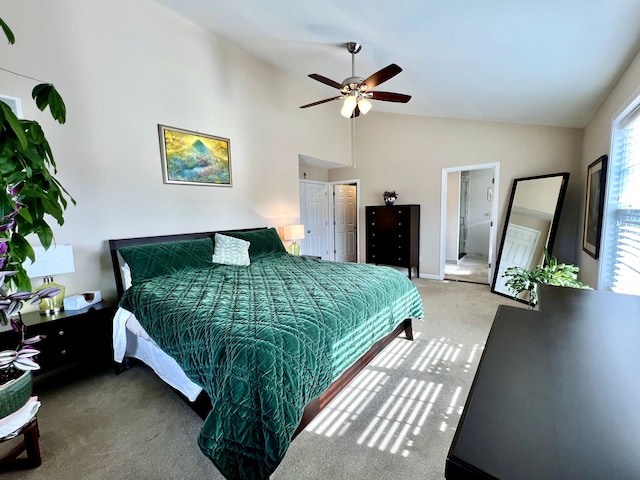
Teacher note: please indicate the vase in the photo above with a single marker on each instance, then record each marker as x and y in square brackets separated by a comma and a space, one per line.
[390, 200]
[15, 393]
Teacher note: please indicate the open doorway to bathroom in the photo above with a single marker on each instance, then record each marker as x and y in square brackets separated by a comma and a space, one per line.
[468, 236]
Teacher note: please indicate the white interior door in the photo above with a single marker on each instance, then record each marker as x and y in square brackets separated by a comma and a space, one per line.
[517, 251]
[314, 213]
[345, 228]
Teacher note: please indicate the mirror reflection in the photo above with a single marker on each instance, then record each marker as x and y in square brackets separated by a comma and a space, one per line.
[530, 225]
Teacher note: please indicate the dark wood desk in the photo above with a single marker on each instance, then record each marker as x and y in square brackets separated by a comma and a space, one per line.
[556, 394]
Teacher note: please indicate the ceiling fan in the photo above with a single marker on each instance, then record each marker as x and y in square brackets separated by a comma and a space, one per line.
[356, 91]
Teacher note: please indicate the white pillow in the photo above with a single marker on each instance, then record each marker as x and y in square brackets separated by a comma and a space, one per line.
[126, 275]
[231, 251]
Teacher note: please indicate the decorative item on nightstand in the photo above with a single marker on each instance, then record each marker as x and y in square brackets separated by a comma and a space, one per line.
[294, 232]
[57, 260]
[82, 300]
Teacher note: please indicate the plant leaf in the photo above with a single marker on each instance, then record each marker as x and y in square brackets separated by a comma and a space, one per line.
[32, 340]
[45, 95]
[7, 31]
[27, 353]
[14, 122]
[25, 364]
[7, 354]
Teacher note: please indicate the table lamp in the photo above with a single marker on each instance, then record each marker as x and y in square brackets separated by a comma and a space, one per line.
[294, 232]
[57, 260]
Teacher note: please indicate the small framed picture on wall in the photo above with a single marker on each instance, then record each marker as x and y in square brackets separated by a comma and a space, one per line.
[594, 204]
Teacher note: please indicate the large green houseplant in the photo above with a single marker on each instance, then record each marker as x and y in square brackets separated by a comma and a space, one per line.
[28, 194]
[551, 272]
[26, 159]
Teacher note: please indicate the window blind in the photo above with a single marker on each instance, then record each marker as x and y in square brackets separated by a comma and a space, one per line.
[620, 260]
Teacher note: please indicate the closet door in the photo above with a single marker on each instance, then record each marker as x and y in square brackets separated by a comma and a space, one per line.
[314, 208]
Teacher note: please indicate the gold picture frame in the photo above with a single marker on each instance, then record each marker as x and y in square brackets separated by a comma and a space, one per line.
[194, 158]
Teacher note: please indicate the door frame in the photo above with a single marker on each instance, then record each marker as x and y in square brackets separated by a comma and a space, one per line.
[494, 213]
[332, 225]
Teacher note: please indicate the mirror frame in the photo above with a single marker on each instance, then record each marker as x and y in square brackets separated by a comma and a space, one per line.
[552, 229]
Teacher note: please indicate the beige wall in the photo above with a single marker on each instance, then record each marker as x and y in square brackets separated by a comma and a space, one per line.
[308, 172]
[122, 68]
[407, 154]
[597, 142]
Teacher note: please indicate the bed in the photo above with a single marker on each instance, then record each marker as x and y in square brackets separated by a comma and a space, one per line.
[269, 337]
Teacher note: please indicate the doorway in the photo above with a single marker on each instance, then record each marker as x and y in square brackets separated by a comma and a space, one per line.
[345, 228]
[329, 213]
[468, 222]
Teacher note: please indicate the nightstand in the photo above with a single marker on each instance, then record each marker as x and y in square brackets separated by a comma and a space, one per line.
[72, 337]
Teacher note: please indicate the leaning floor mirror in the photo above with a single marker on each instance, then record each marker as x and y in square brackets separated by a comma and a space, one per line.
[530, 225]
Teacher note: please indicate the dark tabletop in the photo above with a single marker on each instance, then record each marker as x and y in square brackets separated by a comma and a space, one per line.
[557, 392]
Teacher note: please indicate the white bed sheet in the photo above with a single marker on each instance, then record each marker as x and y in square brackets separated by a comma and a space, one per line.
[130, 340]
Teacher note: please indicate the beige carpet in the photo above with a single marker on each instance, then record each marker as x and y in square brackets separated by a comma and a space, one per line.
[396, 420]
[470, 268]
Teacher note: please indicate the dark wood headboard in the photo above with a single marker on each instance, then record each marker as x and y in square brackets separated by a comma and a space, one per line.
[115, 244]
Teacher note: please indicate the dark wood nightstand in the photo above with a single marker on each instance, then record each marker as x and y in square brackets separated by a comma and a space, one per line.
[73, 336]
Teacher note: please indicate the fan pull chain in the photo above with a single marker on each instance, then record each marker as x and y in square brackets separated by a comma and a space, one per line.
[352, 142]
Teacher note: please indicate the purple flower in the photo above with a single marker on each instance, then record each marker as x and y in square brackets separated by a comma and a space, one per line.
[8, 226]
[16, 189]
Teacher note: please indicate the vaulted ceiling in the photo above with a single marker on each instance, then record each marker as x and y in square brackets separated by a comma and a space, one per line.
[544, 62]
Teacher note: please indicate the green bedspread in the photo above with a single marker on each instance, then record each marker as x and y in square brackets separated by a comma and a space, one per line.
[265, 340]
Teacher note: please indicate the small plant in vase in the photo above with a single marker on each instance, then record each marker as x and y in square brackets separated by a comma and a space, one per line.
[390, 197]
[550, 273]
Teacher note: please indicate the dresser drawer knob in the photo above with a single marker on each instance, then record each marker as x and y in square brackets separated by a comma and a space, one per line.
[61, 332]
[63, 352]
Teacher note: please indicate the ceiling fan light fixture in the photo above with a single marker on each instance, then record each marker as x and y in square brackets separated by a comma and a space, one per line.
[356, 92]
[364, 105]
[348, 106]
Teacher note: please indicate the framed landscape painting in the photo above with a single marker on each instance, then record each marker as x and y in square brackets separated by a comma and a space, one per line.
[594, 204]
[194, 158]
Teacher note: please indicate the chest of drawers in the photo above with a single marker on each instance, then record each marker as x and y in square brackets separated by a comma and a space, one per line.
[393, 236]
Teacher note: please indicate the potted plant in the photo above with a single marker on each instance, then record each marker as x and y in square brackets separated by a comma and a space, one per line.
[551, 272]
[15, 365]
[26, 159]
[390, 197]
[28, 193]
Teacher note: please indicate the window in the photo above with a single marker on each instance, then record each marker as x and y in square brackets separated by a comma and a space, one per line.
[620, 259]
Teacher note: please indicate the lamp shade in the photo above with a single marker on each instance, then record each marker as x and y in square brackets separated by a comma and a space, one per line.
[57, 260]
[294, 232]
[364, 105]
[348, 106]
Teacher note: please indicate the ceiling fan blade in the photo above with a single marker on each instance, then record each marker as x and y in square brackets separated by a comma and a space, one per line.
[320, 102]
[390, 97]
[325, 80]
[381, 76]
[356, 112]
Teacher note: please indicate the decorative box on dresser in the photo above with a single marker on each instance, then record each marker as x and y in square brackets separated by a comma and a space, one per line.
[393, 236]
